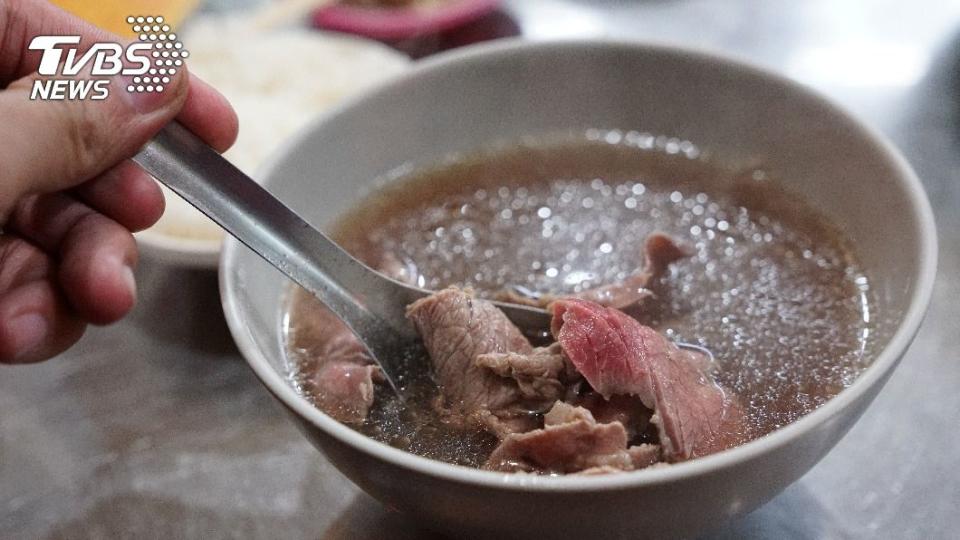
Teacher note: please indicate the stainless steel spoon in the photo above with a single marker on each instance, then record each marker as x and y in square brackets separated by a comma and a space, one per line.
[371, 304]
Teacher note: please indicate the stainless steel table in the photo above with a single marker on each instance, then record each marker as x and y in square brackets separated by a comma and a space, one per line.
[155, 427]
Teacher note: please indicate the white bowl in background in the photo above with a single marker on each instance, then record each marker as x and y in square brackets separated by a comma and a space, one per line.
[471, 97]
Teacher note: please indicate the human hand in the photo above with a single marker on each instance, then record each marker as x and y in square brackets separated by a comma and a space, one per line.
[69, 196]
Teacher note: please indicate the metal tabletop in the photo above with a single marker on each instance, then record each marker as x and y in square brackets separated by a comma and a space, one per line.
[156, 428]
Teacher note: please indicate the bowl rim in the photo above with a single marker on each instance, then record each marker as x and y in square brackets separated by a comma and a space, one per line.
[873, 375]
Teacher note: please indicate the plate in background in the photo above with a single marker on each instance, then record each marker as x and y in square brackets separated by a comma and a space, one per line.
[277, 81]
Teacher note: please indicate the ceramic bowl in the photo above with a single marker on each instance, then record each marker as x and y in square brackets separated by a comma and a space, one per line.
[471, 97]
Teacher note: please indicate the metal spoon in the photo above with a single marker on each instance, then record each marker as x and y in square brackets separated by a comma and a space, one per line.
[371, 304]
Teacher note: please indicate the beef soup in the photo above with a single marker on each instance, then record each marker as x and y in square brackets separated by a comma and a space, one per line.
[636, 244]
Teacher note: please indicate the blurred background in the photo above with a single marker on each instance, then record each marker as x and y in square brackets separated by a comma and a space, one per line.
[155, 427]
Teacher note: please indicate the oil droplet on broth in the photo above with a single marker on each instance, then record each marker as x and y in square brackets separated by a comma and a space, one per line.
[773, 290]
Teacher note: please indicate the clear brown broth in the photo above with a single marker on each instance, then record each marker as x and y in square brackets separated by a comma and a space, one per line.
[773, 290]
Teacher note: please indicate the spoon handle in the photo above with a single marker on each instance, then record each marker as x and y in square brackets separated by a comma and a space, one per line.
[180, 160]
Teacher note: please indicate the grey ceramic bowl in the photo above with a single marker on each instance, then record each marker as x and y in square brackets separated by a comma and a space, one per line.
[501, 91]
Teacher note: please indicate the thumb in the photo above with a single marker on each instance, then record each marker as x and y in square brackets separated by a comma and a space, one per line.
[48, 145]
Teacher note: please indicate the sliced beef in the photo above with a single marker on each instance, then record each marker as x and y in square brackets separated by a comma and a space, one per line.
[342, 373]
[542, 376]
[628, 410]
[456, 329]
[644, 455]
[564, 413]
[619, 356]
[571, 441]
[659, 251]
[347, 390]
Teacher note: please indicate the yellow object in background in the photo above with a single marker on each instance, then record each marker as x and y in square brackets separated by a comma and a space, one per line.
[111, 15]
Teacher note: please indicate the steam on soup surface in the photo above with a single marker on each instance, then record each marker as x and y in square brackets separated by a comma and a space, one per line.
[769, 286]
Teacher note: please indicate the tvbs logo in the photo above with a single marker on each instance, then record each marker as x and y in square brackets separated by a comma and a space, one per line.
[149, 63]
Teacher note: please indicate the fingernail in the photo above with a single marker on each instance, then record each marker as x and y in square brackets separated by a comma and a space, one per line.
[130, 280]
[143, 101]
[28, 331]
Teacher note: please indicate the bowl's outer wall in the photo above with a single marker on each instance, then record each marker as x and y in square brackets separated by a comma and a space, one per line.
[734, 112]
[678, 509]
